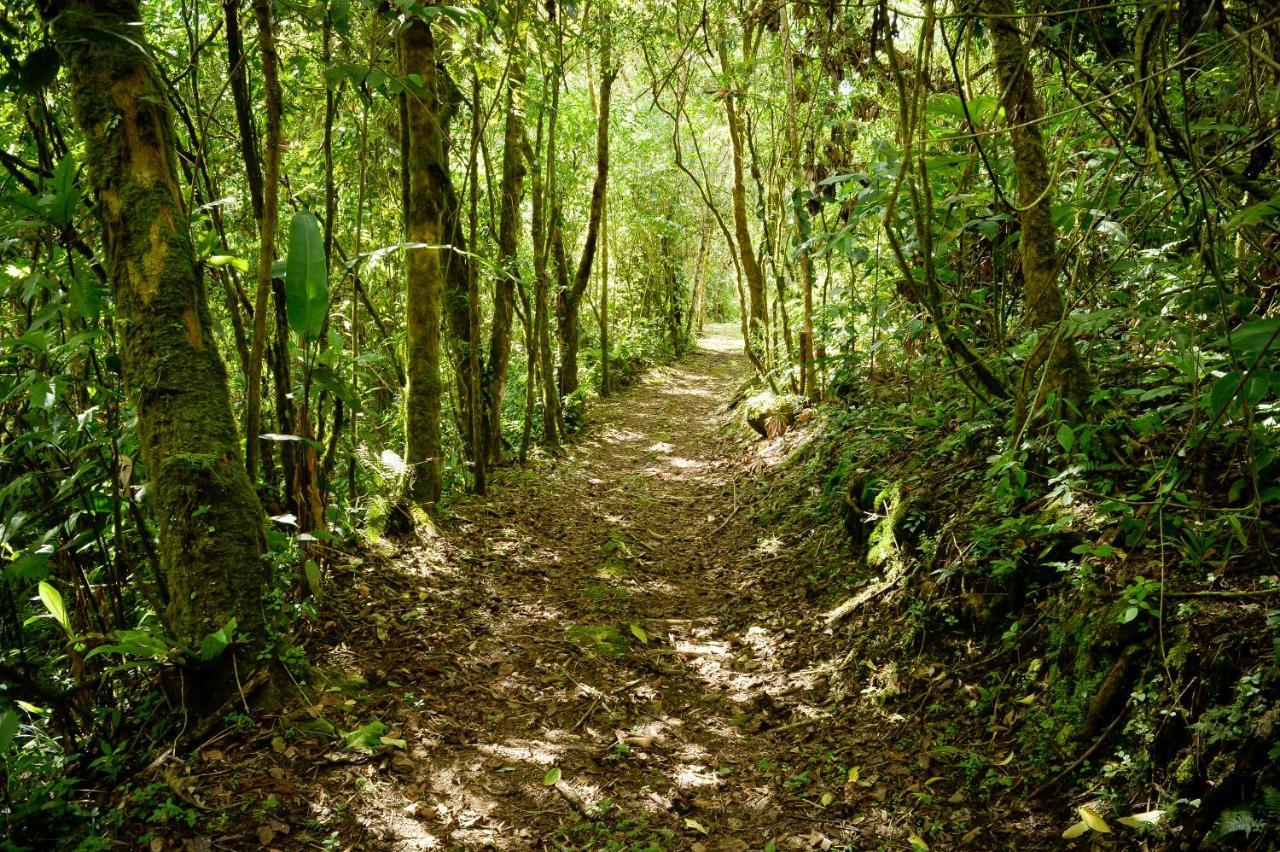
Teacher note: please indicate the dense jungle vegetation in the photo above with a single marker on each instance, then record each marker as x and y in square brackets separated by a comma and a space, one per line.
[613, 424]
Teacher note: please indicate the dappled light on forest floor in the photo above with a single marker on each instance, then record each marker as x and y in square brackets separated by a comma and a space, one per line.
[617, 645]
[598, 660]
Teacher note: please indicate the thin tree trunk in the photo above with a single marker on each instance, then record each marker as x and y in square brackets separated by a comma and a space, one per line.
[757, 318]
[424, 231]
[604, 298]
[512, 189]
[475, 413]
[209, 518]
[266, 231]
[569, 301]
[1045, 307]
[541, 288]
[808, 381]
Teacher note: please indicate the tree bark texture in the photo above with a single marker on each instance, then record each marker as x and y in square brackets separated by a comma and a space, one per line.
[424, 231]
[512, 190]
[1045, 307]
[209, 518]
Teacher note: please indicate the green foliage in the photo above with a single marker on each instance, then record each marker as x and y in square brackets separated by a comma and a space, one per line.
[306, 279]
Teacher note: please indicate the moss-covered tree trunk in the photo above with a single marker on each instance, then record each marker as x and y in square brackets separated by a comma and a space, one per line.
[570, 300]
[424, 229]
[209, 519]
[504, 297]
[1045, 308]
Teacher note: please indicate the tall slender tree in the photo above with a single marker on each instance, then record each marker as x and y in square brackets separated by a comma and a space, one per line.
[425, 117]
[267, 223]
[570, 298]
[512, 192]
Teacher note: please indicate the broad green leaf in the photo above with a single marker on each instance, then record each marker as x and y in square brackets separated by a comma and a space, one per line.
[366, 736]
[1223, 390]
[1255, 213]
[1066, 437]
[1076, 830]
[552, 777]
[917, 842]
[393, 742]
[87, 294]
[638, 632]
[306, 277]
[52, 600]
[1253, 336]
[212, 645]
[139, 644]
[1091, 818]
[59, 205]
[312, 572]
[8, 729]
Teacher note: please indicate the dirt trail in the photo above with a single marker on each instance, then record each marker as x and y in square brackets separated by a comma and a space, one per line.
[606, 620]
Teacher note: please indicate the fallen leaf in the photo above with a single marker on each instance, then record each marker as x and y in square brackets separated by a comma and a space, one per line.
[1076, 830]
[917, 842]
[1091, 819]
[552, 776]
[696, 826]
[1142, 821]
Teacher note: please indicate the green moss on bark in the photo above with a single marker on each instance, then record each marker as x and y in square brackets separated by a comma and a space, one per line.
[209, 518]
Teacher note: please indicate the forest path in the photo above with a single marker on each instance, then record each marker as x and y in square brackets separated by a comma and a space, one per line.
[600, 620]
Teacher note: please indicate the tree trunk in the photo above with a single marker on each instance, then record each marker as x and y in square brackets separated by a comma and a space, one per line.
[541, 285]
[424, 231]
[266, 231]
[808, 382]
[513, 170]
[757, 320]
[1065, 373]
[570, 300]
[209, 519]
[471, 322]
[604, 298]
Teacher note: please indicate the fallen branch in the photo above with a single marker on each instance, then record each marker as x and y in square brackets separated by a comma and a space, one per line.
[1097, 744]
[870, 593]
